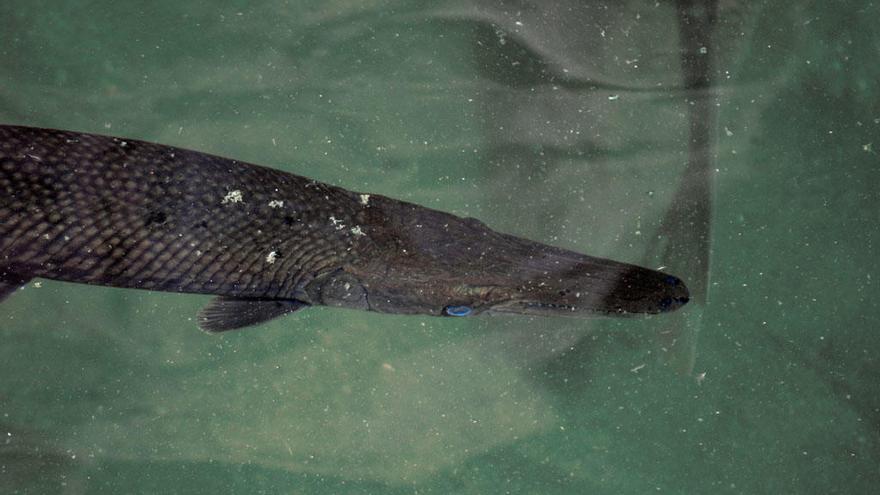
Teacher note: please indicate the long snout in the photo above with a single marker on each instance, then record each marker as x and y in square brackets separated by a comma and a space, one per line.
[552, 281]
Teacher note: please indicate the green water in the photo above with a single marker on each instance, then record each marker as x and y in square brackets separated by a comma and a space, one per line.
[549, 121]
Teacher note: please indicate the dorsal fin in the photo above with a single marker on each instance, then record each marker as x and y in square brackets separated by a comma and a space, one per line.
[231, 313]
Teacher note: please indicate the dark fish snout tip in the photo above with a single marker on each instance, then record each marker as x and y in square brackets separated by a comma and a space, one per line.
[677, 294]
[673, 303]
[645, 291]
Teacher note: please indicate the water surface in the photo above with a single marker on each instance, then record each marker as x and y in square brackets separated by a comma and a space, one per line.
[569, 123]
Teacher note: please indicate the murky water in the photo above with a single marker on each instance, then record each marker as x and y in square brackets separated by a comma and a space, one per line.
[581, 124]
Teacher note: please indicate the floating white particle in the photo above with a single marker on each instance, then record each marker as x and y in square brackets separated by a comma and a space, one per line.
[233, 197]
[271, 257]
[356, 230]
[276, 203]
[365, 199]
[337, 223]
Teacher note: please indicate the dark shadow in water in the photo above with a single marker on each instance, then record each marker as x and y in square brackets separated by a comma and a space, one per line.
[543, 68]
[135, 476]
[26, 460]
[684, 236]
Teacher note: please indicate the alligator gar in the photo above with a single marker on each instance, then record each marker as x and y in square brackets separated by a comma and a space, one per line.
[117, 212]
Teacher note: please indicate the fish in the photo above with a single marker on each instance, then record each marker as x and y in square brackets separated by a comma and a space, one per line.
[117, 212]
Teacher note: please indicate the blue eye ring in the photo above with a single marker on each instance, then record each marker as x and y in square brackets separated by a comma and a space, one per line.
[457, 310]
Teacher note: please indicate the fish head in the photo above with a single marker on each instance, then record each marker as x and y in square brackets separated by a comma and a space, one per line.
[424, 261]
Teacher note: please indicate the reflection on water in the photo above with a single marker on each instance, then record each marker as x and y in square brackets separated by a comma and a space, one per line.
[569, 114]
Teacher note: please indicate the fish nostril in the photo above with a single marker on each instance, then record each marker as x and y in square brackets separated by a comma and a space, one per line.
[673, 281]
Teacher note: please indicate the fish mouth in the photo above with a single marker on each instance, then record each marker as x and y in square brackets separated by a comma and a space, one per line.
[536, 308]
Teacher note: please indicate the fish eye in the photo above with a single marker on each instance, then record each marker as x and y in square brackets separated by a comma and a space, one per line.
[457, 310]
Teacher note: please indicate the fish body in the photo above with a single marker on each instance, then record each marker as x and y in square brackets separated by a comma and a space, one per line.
[126, 213]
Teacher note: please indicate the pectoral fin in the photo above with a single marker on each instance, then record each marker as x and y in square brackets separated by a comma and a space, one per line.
[10, 282]
[229, 313]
